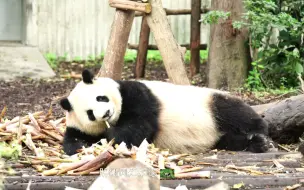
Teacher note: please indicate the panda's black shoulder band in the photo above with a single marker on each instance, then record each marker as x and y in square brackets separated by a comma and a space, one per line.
[87, 76]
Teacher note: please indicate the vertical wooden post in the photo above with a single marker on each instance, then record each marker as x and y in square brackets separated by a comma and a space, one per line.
[195, 37]
[114, 56]
[142, 51]
[171, 52]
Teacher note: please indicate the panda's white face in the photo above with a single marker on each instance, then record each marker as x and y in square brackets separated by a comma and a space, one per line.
[93, 103]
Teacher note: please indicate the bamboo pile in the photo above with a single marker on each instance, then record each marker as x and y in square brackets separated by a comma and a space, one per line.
[35, 140]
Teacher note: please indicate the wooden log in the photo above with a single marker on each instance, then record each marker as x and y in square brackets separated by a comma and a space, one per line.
[176, 12]
[117, 45]
[130, 5]
[195, 37]
[301, 148]
[170, 51]
[141, 58]
[285, 119]
[154, 47]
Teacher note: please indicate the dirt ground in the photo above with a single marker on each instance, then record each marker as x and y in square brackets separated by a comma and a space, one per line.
[23, 95]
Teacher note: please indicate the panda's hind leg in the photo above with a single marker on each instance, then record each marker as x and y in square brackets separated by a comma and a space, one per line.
[257, 143]
[243, 129]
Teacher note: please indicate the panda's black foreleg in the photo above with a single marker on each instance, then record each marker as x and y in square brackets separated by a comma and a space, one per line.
[132, 131]
[75, 139]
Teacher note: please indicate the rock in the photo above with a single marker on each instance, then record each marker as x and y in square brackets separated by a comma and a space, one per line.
[111, 178]
[22, 61]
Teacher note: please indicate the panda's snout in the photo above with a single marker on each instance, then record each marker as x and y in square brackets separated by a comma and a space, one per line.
[107, 114]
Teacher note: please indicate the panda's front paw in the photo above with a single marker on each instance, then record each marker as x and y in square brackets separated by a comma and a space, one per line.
[70, 146]
[258, 143]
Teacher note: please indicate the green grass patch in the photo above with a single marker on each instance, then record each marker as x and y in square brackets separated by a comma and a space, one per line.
[266, 92]
[154, 56]
[130, 57]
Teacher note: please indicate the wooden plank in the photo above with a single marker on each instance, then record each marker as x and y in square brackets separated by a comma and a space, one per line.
[154, 47]
[195, 37]
[141, 58]
[176, 12]
[250, 162]
[57, 182]
[49, 185]
[245, 155]
[130, 5]
[249, 182]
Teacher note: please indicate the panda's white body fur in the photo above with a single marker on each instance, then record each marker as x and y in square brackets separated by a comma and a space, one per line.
[187, 122]
[184, 123]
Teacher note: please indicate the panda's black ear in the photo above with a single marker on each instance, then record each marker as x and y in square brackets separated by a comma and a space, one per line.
[87, 76]
[65, 104]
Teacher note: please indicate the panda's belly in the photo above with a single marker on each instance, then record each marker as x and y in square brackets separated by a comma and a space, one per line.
[186, 128]
[185, 136]
[185, 121]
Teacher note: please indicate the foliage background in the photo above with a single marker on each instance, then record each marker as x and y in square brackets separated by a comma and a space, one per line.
[276, 39]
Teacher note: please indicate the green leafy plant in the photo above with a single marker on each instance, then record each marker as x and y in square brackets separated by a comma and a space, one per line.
[254, 80]
[276, 29]
[213, 17]
[53, 60]
[282, 55]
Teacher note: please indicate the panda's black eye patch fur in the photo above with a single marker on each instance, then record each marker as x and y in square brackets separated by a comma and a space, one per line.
[102, 99]
[91, 115]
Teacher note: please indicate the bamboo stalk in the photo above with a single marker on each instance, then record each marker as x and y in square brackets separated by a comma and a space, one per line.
[54, 135]
[3, 113]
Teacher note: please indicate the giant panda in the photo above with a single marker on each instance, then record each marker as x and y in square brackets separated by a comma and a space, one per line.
[181, 118]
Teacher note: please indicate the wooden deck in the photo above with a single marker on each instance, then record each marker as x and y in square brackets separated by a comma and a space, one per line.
[272, 170]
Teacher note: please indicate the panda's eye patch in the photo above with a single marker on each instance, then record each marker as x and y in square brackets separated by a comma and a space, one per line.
[102, 99]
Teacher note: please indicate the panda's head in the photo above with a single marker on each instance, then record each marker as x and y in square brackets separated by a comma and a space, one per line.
[91, 103]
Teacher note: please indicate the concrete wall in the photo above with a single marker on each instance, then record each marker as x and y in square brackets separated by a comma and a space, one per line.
[81, 28]
[10, 20]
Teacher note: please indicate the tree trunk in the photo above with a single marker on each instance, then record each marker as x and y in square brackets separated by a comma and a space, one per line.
[195, 37]
[171, 52]
[117, 45]
[141, 58]
[229, 56]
